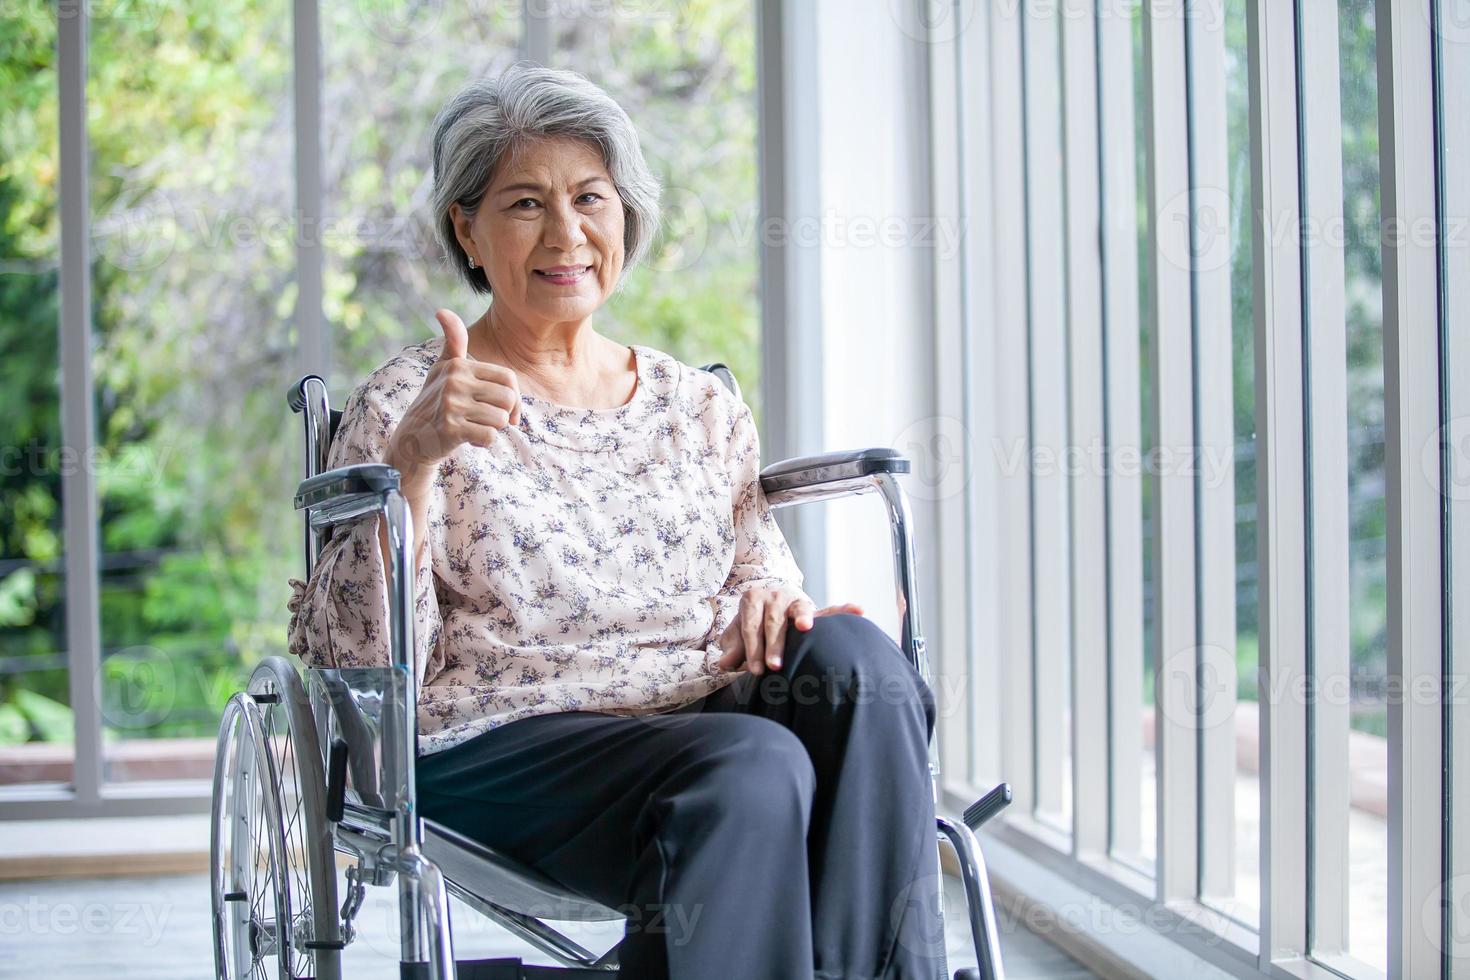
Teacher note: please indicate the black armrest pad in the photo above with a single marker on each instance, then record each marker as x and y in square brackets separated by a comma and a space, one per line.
[345, 481]
[807, 471]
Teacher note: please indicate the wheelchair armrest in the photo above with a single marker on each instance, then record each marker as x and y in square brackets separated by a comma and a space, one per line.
[346, 493]
[834, 471]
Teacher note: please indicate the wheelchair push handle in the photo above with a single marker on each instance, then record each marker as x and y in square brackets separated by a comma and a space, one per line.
[296, 394]
[988, 806]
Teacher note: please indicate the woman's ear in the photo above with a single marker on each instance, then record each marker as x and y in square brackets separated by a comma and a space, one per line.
[462, 224]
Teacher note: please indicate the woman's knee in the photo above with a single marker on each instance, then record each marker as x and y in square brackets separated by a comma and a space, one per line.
[847, 645]
[757, 764]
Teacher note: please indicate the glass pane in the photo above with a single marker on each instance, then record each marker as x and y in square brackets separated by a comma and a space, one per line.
[383, 82]
[1367, 875]
[1242, 903]
[1148, 812]
[685, 73]
[190, 112]
[36, 732]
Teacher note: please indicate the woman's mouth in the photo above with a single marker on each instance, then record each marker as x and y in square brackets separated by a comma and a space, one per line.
[564, 275]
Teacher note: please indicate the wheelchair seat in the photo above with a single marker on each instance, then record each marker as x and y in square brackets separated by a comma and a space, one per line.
[519, 887]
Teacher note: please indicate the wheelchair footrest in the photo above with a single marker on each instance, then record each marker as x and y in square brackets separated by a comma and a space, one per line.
[509, 968]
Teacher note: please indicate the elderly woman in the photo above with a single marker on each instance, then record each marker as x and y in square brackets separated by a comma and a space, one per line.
[622, 683]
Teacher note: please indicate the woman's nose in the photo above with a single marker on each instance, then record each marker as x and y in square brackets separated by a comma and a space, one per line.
[563, 231]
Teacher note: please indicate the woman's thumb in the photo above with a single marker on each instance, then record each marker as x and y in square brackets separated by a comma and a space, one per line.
[456, 337]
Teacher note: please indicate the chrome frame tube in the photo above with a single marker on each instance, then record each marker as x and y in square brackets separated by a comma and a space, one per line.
[977, 892]
[318, 441]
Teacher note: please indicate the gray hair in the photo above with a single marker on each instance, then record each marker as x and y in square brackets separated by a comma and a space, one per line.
[490, 118]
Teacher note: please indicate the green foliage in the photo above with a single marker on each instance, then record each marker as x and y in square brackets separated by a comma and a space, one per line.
[193, 287]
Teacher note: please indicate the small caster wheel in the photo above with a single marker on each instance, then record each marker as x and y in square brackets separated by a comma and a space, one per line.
[967, 973]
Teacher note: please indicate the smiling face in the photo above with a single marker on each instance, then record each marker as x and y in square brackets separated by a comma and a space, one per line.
[548, 232]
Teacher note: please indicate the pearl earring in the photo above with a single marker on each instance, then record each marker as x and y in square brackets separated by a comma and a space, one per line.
[472, 261]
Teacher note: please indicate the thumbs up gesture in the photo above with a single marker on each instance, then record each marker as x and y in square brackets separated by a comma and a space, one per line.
[462, 400]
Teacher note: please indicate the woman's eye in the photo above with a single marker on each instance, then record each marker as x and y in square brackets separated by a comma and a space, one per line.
[590, 197]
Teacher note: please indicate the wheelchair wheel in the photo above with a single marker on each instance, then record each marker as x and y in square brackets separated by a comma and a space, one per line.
[272, 868]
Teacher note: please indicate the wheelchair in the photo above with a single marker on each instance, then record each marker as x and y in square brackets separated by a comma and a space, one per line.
[309, 767]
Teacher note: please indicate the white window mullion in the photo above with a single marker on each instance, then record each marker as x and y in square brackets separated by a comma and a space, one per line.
[1454, 184]
[1089, 724]
[78, 429]
[313, 345]
[1280, 479]
[1124, 429]
[1415, 528]
[537, 24]
[1324, 284]
[1215, 427]
[950, 647]
[1045, 278]
[1171, 370]
[981, 331]
[1012, 448]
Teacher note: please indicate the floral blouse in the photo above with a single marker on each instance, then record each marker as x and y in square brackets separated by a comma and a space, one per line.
[587, 560]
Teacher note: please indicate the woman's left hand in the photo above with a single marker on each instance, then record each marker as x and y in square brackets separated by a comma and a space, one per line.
[755, 637]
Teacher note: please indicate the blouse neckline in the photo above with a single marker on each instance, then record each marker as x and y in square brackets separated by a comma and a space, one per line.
[599, 429]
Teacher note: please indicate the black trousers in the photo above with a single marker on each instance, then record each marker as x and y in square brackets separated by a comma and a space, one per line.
[782, 827]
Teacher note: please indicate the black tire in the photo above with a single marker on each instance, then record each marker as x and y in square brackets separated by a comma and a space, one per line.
[273, 877]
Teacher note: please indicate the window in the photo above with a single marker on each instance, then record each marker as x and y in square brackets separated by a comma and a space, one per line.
[1215, 639]
[252, 180]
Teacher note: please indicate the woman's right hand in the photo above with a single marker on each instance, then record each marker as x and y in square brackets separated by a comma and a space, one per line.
[462, 400]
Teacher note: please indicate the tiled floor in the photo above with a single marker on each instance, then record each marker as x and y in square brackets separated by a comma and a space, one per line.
[158, 928]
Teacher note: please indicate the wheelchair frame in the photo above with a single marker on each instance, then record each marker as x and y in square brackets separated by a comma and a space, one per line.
[350, 746]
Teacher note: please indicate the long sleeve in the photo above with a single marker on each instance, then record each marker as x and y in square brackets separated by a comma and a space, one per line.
[762, 556]
[340, 617]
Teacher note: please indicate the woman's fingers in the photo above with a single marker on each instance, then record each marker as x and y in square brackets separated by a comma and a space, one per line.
[756, 637]
[456, 337]
[801, 613]
[733, 655]
[750, 631]
[849, 607]
[774, 621]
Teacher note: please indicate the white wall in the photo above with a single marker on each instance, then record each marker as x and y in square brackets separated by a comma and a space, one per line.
[877, 249]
